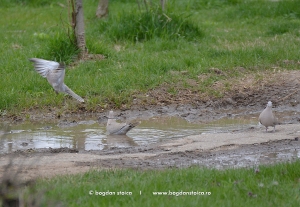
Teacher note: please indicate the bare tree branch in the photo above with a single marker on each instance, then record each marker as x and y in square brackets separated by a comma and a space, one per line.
[79, 29]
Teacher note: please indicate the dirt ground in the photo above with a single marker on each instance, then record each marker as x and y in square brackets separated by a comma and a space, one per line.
[246, 148]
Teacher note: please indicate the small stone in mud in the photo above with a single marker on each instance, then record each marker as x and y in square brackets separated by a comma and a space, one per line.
[293, 103]
[296, 139]
[30, 150]
[229, 101]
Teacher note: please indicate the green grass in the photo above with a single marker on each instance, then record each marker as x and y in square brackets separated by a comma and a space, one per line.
[140, 27]
[277, 185]
[141, 47]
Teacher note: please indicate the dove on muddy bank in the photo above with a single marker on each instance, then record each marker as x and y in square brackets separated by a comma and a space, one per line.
[113, 127]
[266, 117]
[55, 74]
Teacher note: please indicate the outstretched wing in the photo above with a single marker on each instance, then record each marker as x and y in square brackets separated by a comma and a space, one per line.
[43, 67]
[125, 128]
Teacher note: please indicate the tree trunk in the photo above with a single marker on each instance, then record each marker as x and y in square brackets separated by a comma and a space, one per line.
[102, 10]
[162, 2]
[79, 28]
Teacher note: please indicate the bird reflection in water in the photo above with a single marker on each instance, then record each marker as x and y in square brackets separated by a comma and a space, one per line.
[118, 141]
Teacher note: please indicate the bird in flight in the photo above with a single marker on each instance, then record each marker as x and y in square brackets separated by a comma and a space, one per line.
[55, 74]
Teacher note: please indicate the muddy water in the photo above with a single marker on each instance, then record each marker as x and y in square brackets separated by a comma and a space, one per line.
[81, 135]
[161, 129]
[90, 135]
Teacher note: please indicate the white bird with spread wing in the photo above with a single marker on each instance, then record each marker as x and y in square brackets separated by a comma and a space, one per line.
[267, 118]
[113, 127]
[55, 74]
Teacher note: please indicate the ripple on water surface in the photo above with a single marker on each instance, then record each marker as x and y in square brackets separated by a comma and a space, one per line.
[89, 135]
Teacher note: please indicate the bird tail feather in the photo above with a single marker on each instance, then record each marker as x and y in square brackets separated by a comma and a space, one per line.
[74, 95]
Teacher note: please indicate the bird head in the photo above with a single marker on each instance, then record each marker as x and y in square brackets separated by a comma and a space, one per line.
[110, 115]
[269, 104]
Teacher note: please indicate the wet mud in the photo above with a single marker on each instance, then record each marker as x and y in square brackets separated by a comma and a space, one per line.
[229, 156]
[50, 162]
[243, 101]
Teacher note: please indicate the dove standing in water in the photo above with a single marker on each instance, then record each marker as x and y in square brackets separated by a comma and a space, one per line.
[113, 127]
[267, 118]
[55, 74]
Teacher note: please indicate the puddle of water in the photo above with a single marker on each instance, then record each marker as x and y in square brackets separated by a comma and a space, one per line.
[165, 128]
[29, 135]
[89, 135]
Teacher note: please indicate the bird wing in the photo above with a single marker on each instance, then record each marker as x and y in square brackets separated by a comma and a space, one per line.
[43, 67]
[114, 127]
[126, 128]
[267, 118]
[55, 74]
[53, 71]
[56, 78]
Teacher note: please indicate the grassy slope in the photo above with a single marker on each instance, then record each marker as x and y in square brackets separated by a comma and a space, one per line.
[255, 35]
[270, 186]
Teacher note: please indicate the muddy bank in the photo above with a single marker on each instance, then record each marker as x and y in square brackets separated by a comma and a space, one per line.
[247, 95]
[235, 149]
